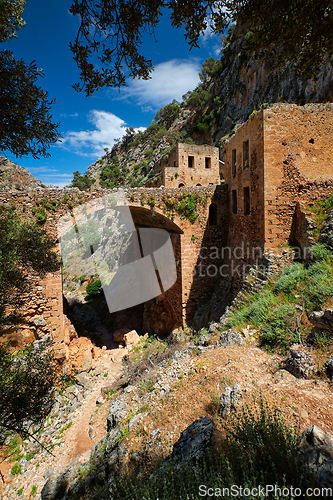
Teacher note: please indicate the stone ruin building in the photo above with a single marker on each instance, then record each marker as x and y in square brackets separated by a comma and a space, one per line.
[189, 165]
[280, 158]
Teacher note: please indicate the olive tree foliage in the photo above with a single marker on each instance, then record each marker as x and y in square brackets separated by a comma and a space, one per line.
[11, 18]
[26, 376]
[107, 44]
[26, 124]
[24, 248]
[111, 33]
[26, 385]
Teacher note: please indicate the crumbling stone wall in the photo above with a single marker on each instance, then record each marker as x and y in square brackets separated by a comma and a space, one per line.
[298, 156]
[290, 161]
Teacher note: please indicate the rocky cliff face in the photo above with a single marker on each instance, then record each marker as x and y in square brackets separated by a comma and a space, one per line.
[243, 84]
[15, 178]
[231, 88]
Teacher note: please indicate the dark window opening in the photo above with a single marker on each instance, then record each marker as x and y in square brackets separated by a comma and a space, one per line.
[198, 184]
[233, 163]
[175, 164]
[246, 155]
[247, 204]
[181, 185]
[311, 141]
[208, 162]
[234, 201]
[213, 214]
[190, 161]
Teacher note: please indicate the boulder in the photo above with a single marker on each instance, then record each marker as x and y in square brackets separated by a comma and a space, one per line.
[316, 452]
[322, 319]
[131, 339]
[194, 440]
[81, 354]
[117, 413]
[230, 337]
[299, 362]
[229, 400]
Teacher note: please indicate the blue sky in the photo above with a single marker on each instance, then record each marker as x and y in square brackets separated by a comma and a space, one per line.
[90, 124]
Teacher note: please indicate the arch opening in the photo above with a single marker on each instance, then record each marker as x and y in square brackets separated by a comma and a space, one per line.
[212, 218]
[159, 314]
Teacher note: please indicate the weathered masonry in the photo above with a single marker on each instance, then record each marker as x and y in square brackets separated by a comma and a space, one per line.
[283, 156]
[44, 311]
[189, 165]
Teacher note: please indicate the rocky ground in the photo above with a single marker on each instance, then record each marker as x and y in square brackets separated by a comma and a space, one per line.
[76, 423]
[151, 411]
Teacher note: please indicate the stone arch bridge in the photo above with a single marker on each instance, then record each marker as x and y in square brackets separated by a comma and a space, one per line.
[195, 217]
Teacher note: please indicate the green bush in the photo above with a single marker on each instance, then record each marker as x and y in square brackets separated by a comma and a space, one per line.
[318, 285]
[94, 288]
[289, 278]
[203, 125]
[256, 312]
[320, 252]
[41, 216]
[279, 330]
[83, 182]
[260, 448]
[27, 380]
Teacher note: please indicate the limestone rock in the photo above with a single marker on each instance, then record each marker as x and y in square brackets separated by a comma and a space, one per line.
[38, 321]
[299, 362]
[131, 338]
[204, 340]
[322, 319]
[229, 400]
[214, 327]
[194, 440]
[81, 353]
[230, 337]
[316, 451]
[84, 380]
[329, 367]
[117, 413]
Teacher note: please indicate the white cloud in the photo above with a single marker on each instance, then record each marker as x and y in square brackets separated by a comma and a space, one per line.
[47, 177]
[91, 143]
[60, 180]
[170, 80]
[36, 170]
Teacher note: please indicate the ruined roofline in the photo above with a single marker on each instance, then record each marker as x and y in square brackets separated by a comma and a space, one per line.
[281, 106]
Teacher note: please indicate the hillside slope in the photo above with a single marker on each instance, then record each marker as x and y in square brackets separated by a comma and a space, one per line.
[15, 178]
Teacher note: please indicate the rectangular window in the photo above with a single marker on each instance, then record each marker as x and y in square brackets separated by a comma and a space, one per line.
[234, 201]
[233, 163]
[208, 162]
[246, 155]
[190, 161]
[247, 205]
